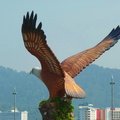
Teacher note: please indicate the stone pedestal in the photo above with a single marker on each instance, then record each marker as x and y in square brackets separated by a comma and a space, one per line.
[56, 109]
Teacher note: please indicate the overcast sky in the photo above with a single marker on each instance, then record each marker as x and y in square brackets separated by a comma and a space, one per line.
[70, 26]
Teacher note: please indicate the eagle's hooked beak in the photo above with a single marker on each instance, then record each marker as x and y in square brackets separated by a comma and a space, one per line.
[30, 72]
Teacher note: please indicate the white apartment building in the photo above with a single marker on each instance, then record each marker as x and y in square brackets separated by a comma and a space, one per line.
[112, 114]
[91, 113]
[87, 112]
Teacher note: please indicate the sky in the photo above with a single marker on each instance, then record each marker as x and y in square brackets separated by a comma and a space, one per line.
[70, 27]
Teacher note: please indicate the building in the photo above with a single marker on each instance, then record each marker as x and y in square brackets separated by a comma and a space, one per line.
[100, 114]
[88, 112]
[11, 115]
[115, 115]
[82, 111]
[91, 113]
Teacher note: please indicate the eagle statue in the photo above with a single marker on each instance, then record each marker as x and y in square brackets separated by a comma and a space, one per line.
[58, 77]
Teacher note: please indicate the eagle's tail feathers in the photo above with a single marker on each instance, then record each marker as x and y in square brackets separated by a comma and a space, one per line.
[73, 90]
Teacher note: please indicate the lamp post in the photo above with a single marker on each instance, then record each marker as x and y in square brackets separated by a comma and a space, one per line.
[112, 83]
[14, 94]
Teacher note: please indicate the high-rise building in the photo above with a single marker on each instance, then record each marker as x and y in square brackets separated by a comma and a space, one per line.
[112, 114]
[88, 112]
[91, 113]
[100, 114]
[82, 111]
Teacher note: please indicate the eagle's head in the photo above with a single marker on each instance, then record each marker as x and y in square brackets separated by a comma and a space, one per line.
[36, 71]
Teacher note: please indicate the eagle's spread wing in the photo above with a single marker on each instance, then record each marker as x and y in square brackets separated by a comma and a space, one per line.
[76, 63]
[35, 42]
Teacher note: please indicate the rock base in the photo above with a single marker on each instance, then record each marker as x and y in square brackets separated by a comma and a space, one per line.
[57, 109]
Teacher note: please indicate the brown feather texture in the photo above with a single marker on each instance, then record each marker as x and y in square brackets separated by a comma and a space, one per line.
[76, 63]
[58, 77]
